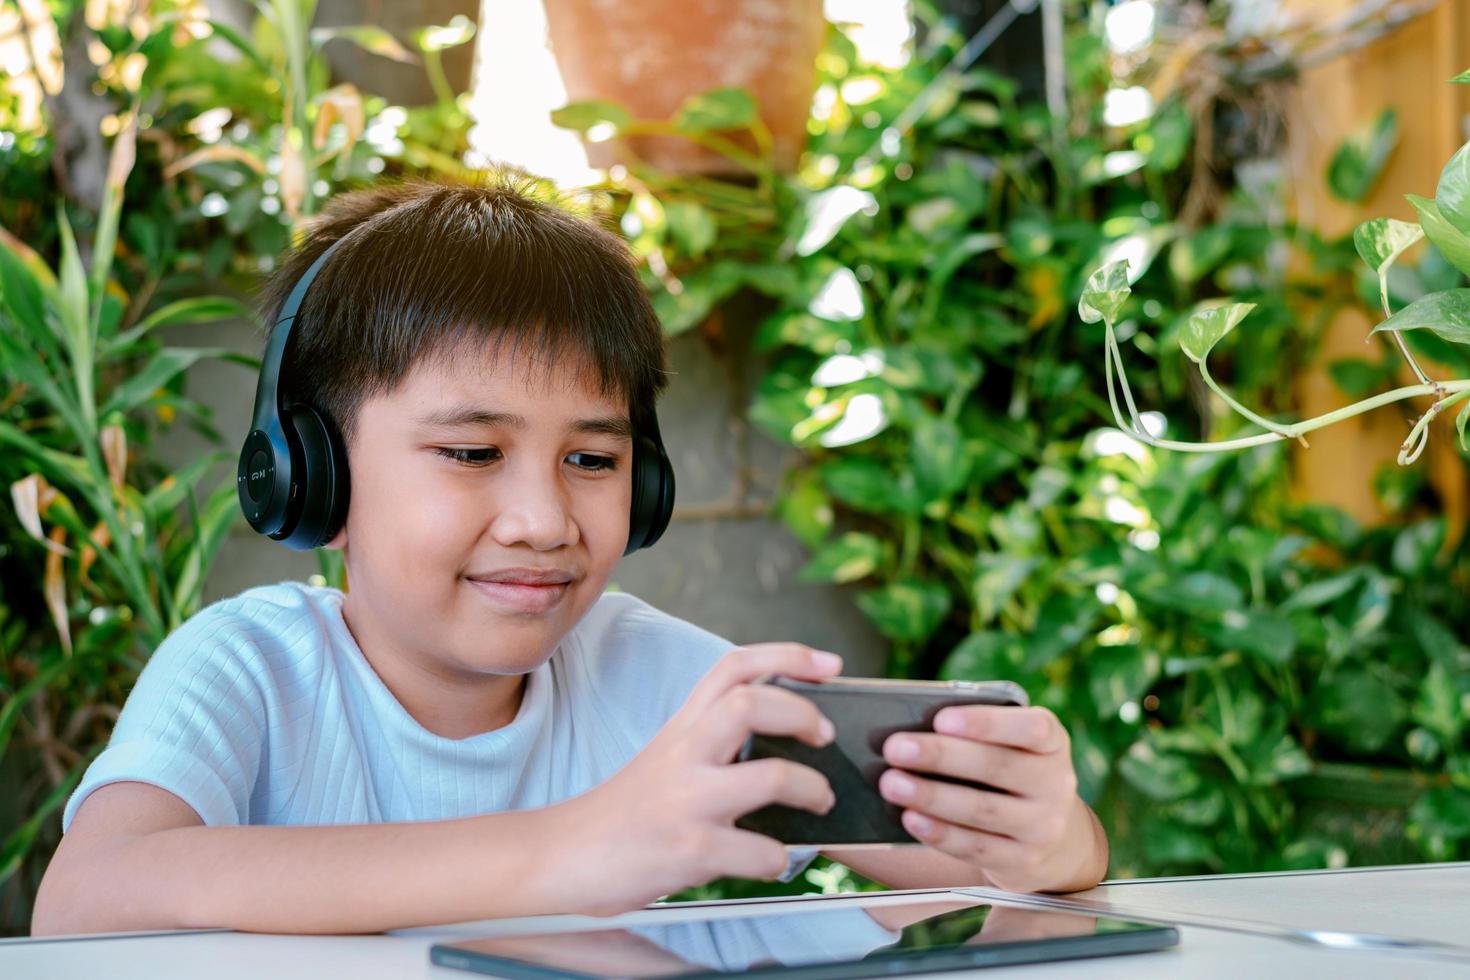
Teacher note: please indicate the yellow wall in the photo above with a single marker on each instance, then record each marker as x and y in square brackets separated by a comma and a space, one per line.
[1407, 70]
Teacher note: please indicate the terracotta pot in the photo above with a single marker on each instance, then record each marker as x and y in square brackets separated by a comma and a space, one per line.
[650, 55]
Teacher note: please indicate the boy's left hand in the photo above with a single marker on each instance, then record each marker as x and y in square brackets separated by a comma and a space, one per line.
[1032, 832]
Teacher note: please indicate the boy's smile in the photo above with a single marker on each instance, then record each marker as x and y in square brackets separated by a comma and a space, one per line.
[489, 506]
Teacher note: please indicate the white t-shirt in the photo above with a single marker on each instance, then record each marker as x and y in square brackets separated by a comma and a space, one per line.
[261, 709]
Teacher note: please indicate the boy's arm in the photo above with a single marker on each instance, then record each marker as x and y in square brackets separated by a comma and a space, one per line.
[137, 857]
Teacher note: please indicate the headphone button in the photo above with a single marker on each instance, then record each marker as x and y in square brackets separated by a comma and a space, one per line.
[259, 476]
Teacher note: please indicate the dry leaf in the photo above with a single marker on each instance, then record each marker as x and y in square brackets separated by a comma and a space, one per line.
[214, 154]
[124, 153]
[342, 103]
[115, 451]
[100, 538]
[55, 588]
[31, 497]
[293, 178]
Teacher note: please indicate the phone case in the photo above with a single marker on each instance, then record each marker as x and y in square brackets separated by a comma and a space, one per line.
[865, 712]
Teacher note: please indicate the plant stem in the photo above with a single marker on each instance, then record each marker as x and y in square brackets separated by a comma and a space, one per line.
[1398, 337]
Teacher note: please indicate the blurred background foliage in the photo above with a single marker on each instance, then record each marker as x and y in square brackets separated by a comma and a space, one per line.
[1251, 682]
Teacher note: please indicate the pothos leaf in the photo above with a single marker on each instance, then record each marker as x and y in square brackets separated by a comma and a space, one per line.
[1446, 314]
[1106, 291]
[583, 116]
[1381, 241]
[1453, 193]
[1205, 328]
[1452, 243]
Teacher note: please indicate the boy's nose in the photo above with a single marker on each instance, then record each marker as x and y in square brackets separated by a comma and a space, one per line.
[534, 513]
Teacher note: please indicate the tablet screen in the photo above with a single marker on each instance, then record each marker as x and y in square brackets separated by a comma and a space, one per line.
[852, 941]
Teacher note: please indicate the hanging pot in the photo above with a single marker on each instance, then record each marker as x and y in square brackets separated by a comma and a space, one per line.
[650, 55]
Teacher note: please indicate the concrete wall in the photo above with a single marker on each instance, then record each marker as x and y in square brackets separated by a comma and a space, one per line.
[721, 565]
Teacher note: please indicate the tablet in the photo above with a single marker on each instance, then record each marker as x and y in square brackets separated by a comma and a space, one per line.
[923, 936]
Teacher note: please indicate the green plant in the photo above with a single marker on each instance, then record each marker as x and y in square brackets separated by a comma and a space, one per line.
[1213, 648]
[103, 551]
[126, 547]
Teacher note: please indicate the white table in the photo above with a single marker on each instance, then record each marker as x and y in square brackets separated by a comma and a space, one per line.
[1429, 902]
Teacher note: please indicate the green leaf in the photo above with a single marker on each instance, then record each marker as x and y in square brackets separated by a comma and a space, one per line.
[1262, 633]
[1453, 193]
[1105, 293]
[1193, 256]
[941, 465]
[1415, 546]
[1462, 79]
[1157, 775]
[1445, 314]
[703, 290]
[221, 510]
[238, 41]
[582, 116]
[1452, 243]
[1321, 592]
[157, 372]
[866, 484]
[1198, 593]
[806, 509]
[691, 225]
[23, 293]
[1203, 329]
[1359, 160]
[1460, 421]
[202, 309]
[1359, 708]
[852, 556]
[908, 610]
[172, 489]
[1359, 377]
[1382, 240]
[1119, 675]
[985, 656]
[997, 577]
[373, 40]
[719, 109]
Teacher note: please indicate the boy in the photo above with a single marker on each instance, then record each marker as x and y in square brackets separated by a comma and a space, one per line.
[474, 729]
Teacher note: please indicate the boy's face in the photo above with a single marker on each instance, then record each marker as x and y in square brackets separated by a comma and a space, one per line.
[489, 506]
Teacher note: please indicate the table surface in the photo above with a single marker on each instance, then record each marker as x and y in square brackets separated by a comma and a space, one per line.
[1430, 902]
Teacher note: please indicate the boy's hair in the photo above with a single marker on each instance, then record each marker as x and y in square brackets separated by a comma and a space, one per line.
[430, 267]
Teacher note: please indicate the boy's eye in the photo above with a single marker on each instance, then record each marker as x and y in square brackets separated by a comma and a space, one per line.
[588, 461]
[478, 456]
[481, 455]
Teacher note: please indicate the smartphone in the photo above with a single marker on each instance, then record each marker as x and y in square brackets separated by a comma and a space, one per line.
[865, 711]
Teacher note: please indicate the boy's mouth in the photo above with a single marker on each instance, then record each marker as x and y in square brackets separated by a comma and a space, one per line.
[524, 590]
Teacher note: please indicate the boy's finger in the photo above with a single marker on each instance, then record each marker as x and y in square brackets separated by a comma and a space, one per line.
[993, 852]
[1014, 770]
[744, 664]
[965, 806]
[761, 782]
[758, 708]
[744, 854]
[1032, 729]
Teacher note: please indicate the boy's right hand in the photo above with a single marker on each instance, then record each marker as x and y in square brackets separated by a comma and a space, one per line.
[665, 822]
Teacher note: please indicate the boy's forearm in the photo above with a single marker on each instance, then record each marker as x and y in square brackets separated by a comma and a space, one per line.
[319, 879]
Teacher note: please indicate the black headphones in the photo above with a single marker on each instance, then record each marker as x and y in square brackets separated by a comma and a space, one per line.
[292, 478]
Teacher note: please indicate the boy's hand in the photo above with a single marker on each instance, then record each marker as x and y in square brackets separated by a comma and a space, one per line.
[1032, 832]
[666, 821]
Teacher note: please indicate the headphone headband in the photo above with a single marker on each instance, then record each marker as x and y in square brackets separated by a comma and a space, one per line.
[292, 479]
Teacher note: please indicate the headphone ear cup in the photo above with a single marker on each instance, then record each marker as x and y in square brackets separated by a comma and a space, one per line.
[323, 487]
[653, 494]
